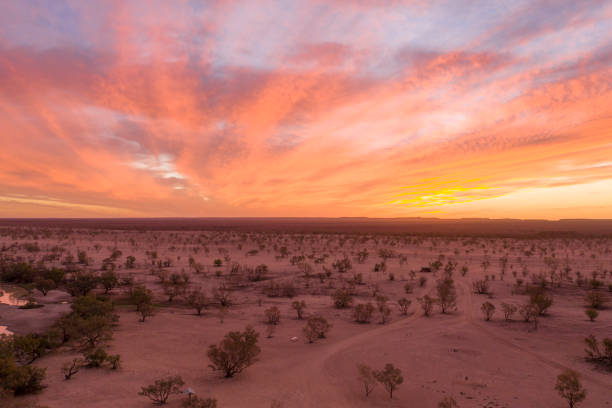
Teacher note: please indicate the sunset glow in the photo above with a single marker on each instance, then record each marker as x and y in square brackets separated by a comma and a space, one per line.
[306, 108]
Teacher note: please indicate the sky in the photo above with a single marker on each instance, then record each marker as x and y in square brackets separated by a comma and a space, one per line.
[321, 108]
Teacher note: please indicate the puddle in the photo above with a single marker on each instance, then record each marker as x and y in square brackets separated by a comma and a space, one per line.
[9, 298]
[4, 330]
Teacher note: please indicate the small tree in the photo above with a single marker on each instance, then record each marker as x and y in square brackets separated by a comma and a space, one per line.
[160, 391]
[362, 313]
[109, 280]
[342, 298]
[383, 309]
[426, 303]
[316, 328]
[596, 300]
[509, 310]
[569, 387]
[591, 314]
[146, 310]
[140, 295]
[45, 285]
[390, 378]
[599, 353]
[447, 295]
[197, 402]
[541, 300]
[404, 304]
[237, 351]
[488, 309]
[448, 402]
[197, 299]
[299, 306]
[481, 287]
[273, 315]
[366, 377]
[70, 368]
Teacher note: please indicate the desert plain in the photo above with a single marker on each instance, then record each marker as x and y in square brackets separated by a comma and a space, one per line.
[242, 273]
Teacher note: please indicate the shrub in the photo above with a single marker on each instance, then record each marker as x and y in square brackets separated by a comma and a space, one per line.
[426, 303]
[569, 387]
[45, 285]
[237, 351]
[408, 288]
[509, 310]
[140, 295]
[342, 298]
[390, 378]
[599, 353]
[197, 402]
[488, 309]
[528, 312]
[447, 295]
[362, 313]
[95, 358]
[422, 281]
[591, 314]
[146, 310]
[595, 300]
[316, 328]
[70, 368]
[29, 348]
[481, 287]
[448, 402]
[404, 304]
[383, 309]
[114, 360]
[197, 299]
[273, 315]
[223, 296]
[366, 377]
[82, 283]
[26, 380]
[160, 391]
[258, 273]
[541, 300]
[299, 306]
[109, 280]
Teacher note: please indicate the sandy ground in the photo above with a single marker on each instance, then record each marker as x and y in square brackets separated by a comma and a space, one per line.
[481, 364]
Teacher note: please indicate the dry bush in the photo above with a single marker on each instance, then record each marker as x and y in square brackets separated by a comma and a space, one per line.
[273, 315]
[447, 295]
[404, 304]
[569, 387]
[427, 303]
[160, 391]
[541, 299]
[390, 377]
[342, 298]
[600, 353]
[362, 313]
[591, 314]
[316, 328]
[595, 299]
[70, 368]
[488, 309]
[366, 377]
[481, 287]
[237, 351]
[509, 310]
[299, 306]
